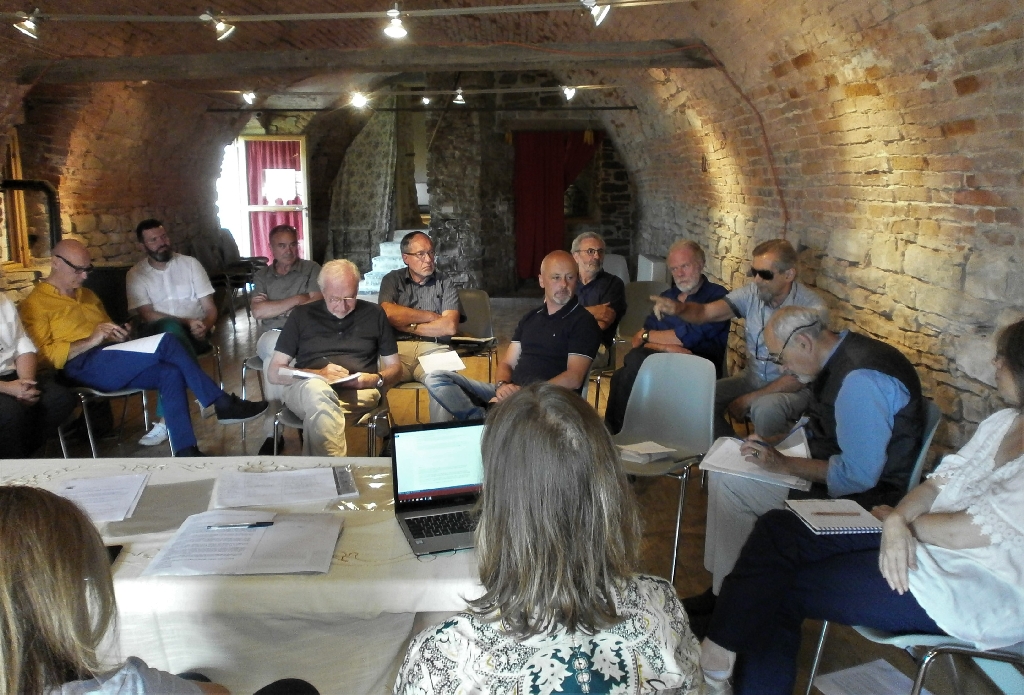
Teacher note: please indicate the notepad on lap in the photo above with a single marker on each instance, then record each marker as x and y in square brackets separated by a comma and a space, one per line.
[724, 457]
[830, 517]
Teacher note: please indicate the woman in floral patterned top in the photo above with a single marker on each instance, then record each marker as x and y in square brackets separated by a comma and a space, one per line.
[558, 543]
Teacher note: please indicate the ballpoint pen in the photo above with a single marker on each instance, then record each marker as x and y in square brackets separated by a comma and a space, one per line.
[255, 524]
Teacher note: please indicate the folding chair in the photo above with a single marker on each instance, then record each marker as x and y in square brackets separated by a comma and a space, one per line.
[672, 403]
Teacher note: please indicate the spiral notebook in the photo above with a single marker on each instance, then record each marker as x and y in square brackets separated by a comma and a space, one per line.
[831, 517]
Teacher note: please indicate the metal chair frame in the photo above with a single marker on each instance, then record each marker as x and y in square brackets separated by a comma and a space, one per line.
[370, 419]
[88, 395]
[478, 324]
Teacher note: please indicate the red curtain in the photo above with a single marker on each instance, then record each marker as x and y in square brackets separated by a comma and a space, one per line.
[547, 162]
[261, 155]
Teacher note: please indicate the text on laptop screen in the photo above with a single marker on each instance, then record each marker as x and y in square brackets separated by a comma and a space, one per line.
[432, 463]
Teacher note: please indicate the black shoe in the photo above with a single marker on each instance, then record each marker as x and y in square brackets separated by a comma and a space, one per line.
[268, 446]
[239, 411]
[189, 451]
[699, 625]
[703, 604]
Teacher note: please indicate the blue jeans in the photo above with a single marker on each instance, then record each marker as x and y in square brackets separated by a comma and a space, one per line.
[170, 371]
[465, 399]
[786, 574]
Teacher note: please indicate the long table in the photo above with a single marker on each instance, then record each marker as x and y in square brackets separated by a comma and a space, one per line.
[345, 632]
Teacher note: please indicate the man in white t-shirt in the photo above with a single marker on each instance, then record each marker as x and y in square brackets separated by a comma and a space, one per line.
[172, 294]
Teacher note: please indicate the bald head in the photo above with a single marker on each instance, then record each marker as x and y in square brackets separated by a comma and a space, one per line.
[558, 275]
[70, 263]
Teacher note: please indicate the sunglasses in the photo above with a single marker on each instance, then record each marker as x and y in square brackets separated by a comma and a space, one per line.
[77, 268]
[763, 274]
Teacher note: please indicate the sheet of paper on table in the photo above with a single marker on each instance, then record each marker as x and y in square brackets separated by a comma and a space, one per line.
[147, 345]
[237, 489]
[109, 498]
[303, 374]
[240, 542]
[448, 361]
[874, 678]
[724, 457]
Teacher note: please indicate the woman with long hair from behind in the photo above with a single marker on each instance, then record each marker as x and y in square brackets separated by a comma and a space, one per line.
[558, 546]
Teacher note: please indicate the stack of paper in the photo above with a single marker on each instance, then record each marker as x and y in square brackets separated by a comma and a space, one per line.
[238, 542]
[725, 457]
[110, 498]
[644, 452]
[280, 488]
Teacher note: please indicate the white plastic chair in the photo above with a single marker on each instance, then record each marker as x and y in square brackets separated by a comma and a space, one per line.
[477, 306]
[616, 265]
[932, 418]
[672, 403]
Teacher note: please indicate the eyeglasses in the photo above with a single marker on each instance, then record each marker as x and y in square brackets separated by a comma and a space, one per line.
[420, 255]
[77, 268]
[777, 358]
[763, 274]
[591, 252]
[339, 300]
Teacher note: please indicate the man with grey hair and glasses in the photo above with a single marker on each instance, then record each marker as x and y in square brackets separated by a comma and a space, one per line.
[865, 421]
[762, 391]
[600, 293]
[334, 338]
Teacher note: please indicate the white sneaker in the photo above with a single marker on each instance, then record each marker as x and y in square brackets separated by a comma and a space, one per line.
[157, 435]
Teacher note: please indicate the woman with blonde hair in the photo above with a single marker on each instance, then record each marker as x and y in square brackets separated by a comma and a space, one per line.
[557, 542]
[57, 604]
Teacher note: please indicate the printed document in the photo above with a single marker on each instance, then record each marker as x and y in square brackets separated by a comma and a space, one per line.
[110, 498]
[303, 374]
[236, 489]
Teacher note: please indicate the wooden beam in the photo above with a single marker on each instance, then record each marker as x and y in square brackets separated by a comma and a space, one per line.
[204, 66]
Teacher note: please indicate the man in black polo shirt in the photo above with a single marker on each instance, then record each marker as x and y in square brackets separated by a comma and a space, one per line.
[554, 343]
[333, 338]
[422, 305]
[600, 292]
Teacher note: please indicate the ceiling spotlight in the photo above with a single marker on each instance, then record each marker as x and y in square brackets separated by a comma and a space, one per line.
[250, 97]
[425, 100]
[359, 100]
[28, 24]
[458, 97]
[222, 28]
[569, 93]
[395, 29]
[598, 12]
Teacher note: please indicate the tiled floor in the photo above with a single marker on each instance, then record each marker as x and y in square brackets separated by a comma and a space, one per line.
[658, 497]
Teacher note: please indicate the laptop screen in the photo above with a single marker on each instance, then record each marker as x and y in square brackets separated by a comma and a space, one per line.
[431, 462]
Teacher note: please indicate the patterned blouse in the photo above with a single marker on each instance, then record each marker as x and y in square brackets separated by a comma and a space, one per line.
[650, 650]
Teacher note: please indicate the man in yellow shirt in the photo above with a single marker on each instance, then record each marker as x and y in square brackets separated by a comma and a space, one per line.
[71, 328]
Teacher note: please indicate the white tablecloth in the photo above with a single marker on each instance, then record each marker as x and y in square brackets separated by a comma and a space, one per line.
[344, 631]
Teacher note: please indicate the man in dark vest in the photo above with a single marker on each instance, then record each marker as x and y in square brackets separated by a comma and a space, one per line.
[865, 420]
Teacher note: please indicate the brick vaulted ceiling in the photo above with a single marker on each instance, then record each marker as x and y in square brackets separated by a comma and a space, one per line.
[885, 137]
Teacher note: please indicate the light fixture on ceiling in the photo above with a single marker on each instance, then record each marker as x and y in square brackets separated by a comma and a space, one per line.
[395, 29]
[250, 97]
[425, 100]
[459, 99]
[359, 100]
[222, 28]
[598, 12]
[28, 24]
[569, 93]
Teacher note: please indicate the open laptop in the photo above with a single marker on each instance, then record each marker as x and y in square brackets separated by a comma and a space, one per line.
[437, 470]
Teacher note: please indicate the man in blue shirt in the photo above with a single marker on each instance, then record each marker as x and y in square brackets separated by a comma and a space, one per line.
[865, 421]
[600, 293]
[670, 333]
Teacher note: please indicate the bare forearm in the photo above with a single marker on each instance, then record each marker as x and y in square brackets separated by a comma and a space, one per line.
[503, 373]
[787, 383]
[814, 470]
[270, 308]
[918, 501]
[568, 379]
[664, 338]
[25, 366]
[400, 316]
[956, 531]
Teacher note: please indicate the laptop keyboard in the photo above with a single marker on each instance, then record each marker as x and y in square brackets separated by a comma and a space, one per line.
[441, 524]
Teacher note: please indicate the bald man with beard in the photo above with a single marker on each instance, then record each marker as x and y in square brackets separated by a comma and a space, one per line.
[555, 342]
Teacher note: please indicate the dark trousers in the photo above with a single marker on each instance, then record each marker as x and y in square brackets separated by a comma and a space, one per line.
[622, 386]
[25, 427]
[786, 574]
[170, 371]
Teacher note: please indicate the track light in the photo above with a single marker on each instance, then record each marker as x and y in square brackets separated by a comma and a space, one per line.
[395, 29]
[425, 100]
[569, 93]
[250, 97]
[359, 100]
[458, 97]
[598, 12]
[222, 28]
[28, 24]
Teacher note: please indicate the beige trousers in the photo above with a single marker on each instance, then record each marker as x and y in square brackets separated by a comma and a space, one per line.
[410, 351]
[323, 412]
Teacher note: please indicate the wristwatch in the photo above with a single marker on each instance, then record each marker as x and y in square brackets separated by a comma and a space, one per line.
[412, 327]
[645, 335]
[499, 385]
[380, 381]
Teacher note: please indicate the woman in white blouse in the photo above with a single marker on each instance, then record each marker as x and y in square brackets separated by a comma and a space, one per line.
[950, 560]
